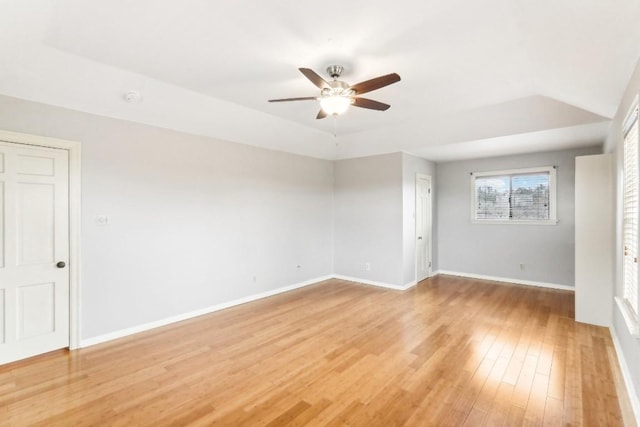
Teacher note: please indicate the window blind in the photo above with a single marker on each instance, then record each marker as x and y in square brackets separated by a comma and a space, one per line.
[519, 197]
[630, 210]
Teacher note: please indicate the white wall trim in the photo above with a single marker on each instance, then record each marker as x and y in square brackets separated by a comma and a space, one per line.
[411, 284]
[75, 218]
[629, 316]
[507, 280]
[375, 283]
[180, 317]
[626, 374]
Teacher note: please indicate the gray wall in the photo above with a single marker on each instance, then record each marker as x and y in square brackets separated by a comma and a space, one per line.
[498, 249]
[193, 220]
[374, 219]
[411, 166]
[368, 218]
[630, 345]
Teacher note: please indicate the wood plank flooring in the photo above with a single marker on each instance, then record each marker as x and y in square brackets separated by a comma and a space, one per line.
[449, 352]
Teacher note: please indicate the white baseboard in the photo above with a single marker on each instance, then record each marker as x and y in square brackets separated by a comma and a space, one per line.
[507, 280]
[374, 283]
[162, 322]
[626, 374]
[409, 285]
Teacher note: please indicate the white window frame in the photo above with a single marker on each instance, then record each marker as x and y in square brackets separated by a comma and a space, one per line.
[553, 219]
[628, 313]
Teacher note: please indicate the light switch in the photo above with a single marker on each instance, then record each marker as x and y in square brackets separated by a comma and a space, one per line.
[102, 220]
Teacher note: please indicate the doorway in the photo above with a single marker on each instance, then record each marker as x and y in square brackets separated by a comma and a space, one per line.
[423, 227]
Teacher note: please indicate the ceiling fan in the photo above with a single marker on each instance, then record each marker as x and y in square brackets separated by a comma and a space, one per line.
[336, 96]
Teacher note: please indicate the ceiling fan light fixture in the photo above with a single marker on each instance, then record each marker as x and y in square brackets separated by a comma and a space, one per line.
[335, 104]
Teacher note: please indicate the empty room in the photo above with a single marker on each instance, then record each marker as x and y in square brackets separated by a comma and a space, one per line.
[251, 213]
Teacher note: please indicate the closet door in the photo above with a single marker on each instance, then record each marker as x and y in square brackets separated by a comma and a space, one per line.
[34, 251]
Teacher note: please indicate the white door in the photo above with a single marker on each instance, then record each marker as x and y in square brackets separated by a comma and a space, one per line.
[34, 250]
[423, 227]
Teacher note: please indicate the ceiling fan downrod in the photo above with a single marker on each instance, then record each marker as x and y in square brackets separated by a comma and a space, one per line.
[334, 71]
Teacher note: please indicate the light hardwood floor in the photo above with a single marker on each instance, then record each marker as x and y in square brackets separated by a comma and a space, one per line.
[448, 352]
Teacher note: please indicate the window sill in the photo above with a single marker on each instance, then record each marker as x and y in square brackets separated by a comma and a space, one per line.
[514, 222]
[629, 317]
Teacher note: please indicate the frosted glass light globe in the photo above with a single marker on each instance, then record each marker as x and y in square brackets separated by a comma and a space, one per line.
[335, 104]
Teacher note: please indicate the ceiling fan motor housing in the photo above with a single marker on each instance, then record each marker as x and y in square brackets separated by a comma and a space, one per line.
[337, 88]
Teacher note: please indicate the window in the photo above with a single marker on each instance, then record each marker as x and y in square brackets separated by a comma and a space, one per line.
[630, 212]
[519, 196]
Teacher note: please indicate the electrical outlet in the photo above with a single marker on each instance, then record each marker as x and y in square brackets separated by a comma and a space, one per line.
[255, 279]
[102, 220]
[367, 266]
[521, 266]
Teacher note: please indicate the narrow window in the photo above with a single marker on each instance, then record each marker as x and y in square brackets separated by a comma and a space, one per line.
[630, 211]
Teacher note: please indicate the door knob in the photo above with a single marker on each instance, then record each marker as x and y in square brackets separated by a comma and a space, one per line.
[61, 264]
[419, 237]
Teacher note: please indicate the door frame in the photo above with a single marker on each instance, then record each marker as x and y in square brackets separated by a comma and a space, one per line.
[75, 219]
[420, 176]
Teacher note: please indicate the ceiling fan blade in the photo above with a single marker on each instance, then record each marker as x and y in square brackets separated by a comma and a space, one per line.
[321, 114]
[370, 104]
[306, 98]
[377, 83]
[314, 78]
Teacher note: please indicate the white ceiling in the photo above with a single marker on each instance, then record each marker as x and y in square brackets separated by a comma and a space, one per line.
[478, 78]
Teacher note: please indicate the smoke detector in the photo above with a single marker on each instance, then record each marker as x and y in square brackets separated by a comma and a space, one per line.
[132, 97]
